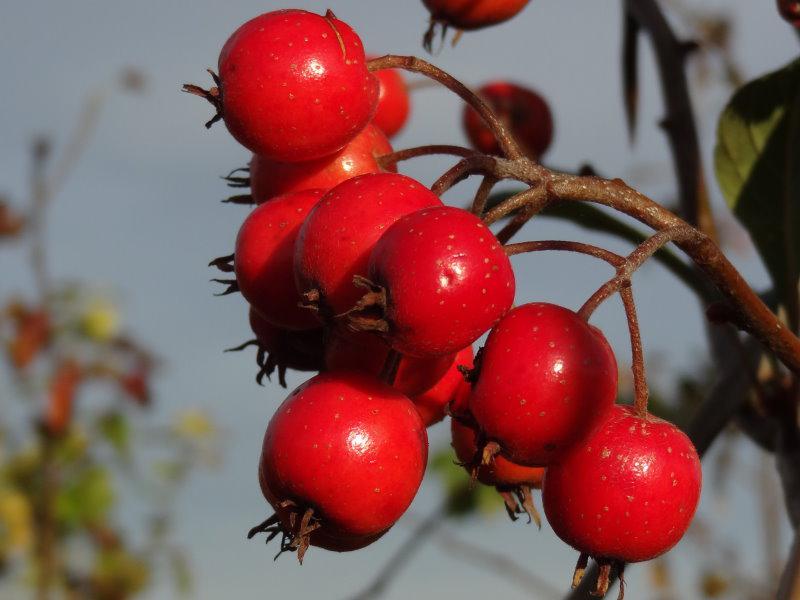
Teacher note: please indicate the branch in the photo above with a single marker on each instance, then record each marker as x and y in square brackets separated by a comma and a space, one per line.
[679, 122]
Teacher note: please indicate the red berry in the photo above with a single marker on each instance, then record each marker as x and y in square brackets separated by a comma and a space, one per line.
[545, 378]
[393, 102]
[451, 388]
[269, 178]
[337, 237]
[628, 491]
[790, 11]
[281, 349]
[295, 85]
[500, 472]
[350, 448]
[264, 259]
[473, 14]
[367, 353]
[522, 110]
[446, 278]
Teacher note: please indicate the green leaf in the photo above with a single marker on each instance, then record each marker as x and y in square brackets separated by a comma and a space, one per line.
[463, 497]
[757, 162]
[85, 498]
[114, 427]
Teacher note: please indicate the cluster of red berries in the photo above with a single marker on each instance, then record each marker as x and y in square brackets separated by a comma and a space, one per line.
[362, 273]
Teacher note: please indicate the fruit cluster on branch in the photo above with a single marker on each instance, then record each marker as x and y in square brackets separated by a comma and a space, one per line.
[357, 271]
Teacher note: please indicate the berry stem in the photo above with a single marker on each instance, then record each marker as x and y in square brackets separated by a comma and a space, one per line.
[626, 294]
[417, 65]
[482, 194]
[635, 260]
[612, 258]
[477, 163]
[387, 160]
[641, 393]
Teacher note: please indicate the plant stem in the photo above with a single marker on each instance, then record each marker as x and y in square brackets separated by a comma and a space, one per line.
[635, 260]
[626, 294]
[395, 157]
[641, 392]
[417, 65]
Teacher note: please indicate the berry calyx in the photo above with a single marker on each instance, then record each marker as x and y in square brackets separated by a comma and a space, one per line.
[367, 353]
[269, 178]
[439, 279]
[283, 73]
[264, 259]
[525, 113]
[393, 102]
[514, 482]
[349, 448]
[281, 349]
[546, 377]
[473, 14]
[336, 239]
[627, 492]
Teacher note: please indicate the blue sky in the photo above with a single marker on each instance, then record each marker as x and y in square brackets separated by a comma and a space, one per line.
[140, 213]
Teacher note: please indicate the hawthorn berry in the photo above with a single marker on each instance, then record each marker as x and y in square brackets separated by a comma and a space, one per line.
[294, 85]
[514, 482]
[342, 459]
[269, 178]
[790, 11]
[281, 349]
[545, 377]
[264, 259]
[451, 389]
[366, 352]
[522, 110]
[439, 280]
[393, 102]
[627, 492]
[337, 237]
[473, 14]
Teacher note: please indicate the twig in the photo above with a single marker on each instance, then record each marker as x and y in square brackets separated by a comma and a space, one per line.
[395, 157]
[641, 392]
[789, 588]
[679, 122]
[635, 260]
[496, 563]
[482, 194]
[417, 65]
[395, 564]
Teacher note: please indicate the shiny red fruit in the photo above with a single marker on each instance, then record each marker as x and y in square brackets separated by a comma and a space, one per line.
[349, 447]
[264, 259]
[366, 353]
[295, 85]
[269, 178]
[393, 102]
[446, 277]
[500, 472]
[473, 14]
[335, 241]
[628, 491]
[525, 113]
[790, 11]
[451, 388]
[545, 378]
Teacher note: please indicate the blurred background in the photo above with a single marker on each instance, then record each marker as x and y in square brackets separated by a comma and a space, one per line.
[166, 463]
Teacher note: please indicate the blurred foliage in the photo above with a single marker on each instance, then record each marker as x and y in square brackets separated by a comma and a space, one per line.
[757, 162]
[79, 447]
